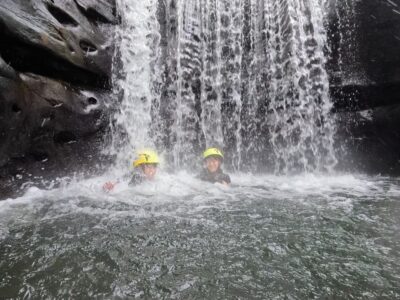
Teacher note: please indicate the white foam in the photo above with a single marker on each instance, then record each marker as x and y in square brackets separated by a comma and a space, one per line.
[184, 190]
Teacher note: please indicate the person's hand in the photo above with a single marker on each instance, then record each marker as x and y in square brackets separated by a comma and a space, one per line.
[109, 186]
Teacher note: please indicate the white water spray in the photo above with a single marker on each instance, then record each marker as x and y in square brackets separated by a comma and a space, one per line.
[134, 65]
[247, 76]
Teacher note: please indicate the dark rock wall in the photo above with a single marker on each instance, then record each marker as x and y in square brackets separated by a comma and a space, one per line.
[55, 70]
[370, 140]
[365, 84]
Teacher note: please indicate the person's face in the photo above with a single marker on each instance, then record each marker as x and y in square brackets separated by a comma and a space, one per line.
[149, 171]
[213, 164]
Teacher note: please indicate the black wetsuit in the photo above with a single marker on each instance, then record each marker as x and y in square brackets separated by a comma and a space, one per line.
[136, 179]
[218, 176]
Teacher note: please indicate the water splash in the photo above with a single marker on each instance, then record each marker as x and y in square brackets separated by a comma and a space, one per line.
[321, 233]
[246, 75]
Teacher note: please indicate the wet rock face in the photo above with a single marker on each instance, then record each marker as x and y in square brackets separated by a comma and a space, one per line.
[55, 70]
[370, 140]
[74, 31]
[365, 42]
[39, 114]
[365, 83]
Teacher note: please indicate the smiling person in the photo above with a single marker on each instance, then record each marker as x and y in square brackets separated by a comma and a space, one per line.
[212, 172]
[145, 164]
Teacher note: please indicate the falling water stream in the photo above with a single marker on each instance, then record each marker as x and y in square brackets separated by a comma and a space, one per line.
[244, 75]
[247, 76]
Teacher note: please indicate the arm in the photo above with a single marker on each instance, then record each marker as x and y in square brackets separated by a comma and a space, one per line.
[109, 186]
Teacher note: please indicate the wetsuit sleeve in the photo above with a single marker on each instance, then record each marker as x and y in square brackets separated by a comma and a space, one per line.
[226, 178]
[223, 178]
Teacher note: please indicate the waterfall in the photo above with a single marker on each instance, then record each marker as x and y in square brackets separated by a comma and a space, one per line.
[134, 75]
[247, 76]
[299, 105]
[347, 69]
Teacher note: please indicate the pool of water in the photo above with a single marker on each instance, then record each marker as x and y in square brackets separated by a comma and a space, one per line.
[265, 237]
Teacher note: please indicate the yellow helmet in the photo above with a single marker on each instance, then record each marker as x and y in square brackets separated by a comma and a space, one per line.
[146, 157]
[213, 152]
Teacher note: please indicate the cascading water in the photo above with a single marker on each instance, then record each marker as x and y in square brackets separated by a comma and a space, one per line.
[347, 69]
[301, 127]
[134, 78]
[247, 76]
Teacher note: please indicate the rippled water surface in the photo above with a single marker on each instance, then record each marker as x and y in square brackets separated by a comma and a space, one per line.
[264, 237]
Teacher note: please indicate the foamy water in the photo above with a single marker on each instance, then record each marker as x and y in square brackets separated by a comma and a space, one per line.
[263, 237]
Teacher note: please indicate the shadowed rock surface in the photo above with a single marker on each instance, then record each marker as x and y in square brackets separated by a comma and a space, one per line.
[370, 140]
[365, 84]
[55, 69]
[67, 29]
[48, 127]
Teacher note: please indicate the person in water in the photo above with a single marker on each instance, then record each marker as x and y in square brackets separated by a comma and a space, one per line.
[212, 172]
[145, 166]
